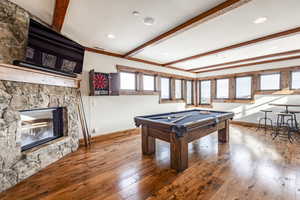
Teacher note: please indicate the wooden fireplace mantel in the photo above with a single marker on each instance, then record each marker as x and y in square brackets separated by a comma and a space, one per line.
[20, 74]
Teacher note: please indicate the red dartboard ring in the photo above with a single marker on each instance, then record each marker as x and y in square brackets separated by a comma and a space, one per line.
[100, 81]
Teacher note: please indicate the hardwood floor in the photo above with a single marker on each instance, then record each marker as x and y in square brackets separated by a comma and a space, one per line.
[251, 166]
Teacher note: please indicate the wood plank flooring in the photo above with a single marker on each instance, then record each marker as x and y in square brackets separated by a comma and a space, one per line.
[250, 167]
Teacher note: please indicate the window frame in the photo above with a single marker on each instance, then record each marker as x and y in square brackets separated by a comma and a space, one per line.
[192, 93]
[228, 89]
[251, 88]
[181, 83]
[135, 82]
[139, 88]
[170, 88]
[154, 82]
[291, 80]
[270, 73]
[200, 89]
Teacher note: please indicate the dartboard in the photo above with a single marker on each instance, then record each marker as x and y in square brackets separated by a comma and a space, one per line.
[100, 81]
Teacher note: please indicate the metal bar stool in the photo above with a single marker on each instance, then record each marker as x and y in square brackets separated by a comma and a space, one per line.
[284, 126]
[295, 121]
[265, 119]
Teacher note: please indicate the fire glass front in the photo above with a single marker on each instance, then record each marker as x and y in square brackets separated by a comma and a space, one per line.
[40, 126]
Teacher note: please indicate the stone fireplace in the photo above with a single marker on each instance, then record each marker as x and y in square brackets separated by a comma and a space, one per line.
[27, 106]
[38, 110]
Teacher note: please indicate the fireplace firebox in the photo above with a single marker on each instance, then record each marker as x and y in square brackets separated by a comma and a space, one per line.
[40, 126]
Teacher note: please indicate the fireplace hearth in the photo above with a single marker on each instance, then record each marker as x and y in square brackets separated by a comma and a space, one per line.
[40, 126]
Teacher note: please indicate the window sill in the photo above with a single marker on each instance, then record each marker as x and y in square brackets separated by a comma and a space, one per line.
[171, 101]
[217, 100]
[278, 92]
[233, 100]
[205, 106]
[129, 92]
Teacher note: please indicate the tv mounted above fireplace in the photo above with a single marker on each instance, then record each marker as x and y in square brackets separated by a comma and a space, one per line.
[50, 51]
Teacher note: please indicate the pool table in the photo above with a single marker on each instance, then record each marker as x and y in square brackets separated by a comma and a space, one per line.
[180, 128]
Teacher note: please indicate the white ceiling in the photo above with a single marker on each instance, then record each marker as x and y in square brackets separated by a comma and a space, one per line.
[259, 49]
[249, 62]
[233, 27]
[42, 9]
[89, 22]
[266, 66]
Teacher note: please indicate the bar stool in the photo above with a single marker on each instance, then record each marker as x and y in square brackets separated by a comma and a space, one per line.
[284, 126]
[295, 121]
[265, 119]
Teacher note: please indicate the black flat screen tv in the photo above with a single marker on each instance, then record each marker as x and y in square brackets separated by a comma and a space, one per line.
[50, 50]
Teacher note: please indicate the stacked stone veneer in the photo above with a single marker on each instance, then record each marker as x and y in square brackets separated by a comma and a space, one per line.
[15, 165]
[14, 23]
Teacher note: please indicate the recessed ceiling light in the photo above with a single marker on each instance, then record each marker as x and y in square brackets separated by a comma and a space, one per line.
[111, 36]
[260, 20]
[136, 13]
[165, 54]
[149, 21]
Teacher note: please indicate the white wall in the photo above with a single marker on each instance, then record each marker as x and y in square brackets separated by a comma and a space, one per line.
[106, 114]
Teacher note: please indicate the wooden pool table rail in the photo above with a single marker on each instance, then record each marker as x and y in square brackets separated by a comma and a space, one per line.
[181, 129]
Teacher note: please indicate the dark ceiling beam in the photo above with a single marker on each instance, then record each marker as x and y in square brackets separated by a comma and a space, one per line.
[132, 59]
[205, 16]
[60, 11]
[246, 60]
[99, 51]
[235, 46]
[252, 64]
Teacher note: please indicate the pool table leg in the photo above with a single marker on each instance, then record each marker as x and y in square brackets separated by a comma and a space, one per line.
[148, 142]
[223, 134]
[179, 153]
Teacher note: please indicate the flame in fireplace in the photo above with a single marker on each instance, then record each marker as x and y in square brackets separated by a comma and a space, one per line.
[34, 125]
[40, 126]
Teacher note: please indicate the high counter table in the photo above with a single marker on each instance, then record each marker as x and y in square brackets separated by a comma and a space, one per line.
[180, 128]
[285, 105]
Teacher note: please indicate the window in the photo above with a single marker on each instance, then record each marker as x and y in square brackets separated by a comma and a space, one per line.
[270, 81]
[189, 92]
[205, 92]
[295, 80]
[127, 81]
[178, 89]
[148, 82]
[165, 88]
[243, 87]
[223, 88]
